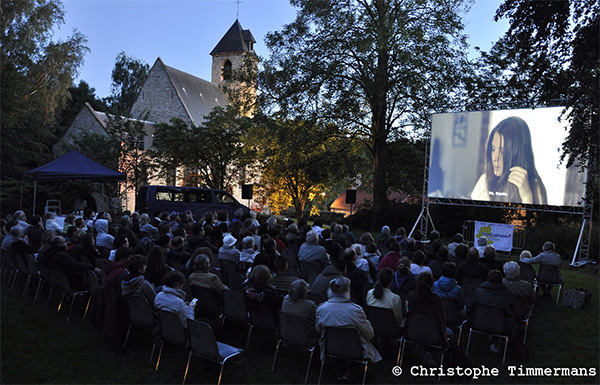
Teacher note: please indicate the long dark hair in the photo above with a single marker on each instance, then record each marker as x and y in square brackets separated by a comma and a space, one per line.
[384, 279]
[517, 152]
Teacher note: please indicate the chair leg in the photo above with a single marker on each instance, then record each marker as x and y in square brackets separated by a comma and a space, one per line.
[402, 346]
[248, 339]
[505, 348]
[152, 352]
[525, 333]
[276, 351]
[365, 373]
[27, 283]
[39, 290]
[399, 351]
[558, 294]
[468, 343]
[62, 296]
[321, 371]
[49, 295]
[87, 306]
[127, 336]
[187, 367]
[312, 352]
[71, 307]
[459, 336]
[221, 373]
[159, 355]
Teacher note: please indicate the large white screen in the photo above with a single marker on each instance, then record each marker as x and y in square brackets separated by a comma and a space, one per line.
[468, 162]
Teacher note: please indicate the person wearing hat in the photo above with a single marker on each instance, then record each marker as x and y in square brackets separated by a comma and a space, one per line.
[228, 250]
[340, 311]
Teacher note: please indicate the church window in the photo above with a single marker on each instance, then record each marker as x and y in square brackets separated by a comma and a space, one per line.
[227, 69]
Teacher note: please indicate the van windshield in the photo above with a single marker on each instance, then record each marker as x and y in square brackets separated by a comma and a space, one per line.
[223, 198]
[199, 196]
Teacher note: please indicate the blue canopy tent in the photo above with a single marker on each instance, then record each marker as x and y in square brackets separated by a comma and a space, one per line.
[73, 165]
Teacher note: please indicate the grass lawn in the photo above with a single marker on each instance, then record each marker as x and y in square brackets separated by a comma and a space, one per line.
[39, 346]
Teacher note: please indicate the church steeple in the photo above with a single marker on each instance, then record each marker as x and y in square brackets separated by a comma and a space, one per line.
[229, 51]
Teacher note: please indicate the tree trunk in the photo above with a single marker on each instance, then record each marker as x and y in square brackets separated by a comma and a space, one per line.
[379, 183]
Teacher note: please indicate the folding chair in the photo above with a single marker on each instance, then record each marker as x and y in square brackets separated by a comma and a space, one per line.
[527, 272]
[453, 318]
[550, 275]
[59, 279]
[236, 281]
[423, 329]
[204, 344]
[141, 315]
[384, 325]
[171, 331]
[8, 264]
[209, 303]
[22, 268]
[344, 344]
[469, 291]
[316, 297]
[489, 320]
[522, 312]
[293, 332]
[32, 274]
[262, 319]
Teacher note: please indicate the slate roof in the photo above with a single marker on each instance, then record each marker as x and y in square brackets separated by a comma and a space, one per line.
[236, 39]
[198, 96]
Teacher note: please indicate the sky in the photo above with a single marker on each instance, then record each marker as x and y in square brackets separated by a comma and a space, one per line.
[184, 32]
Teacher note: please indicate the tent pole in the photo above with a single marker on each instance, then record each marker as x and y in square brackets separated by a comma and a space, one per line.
[34, 195]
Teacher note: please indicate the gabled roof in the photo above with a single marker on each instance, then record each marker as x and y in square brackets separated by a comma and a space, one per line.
[101, 117]
[198, 96]
[73, 165]
[236, 39]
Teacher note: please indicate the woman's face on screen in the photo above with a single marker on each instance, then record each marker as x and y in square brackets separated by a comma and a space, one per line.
[498, 154]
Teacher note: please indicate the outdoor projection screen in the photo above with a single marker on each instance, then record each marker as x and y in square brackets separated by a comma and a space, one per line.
[502, 156]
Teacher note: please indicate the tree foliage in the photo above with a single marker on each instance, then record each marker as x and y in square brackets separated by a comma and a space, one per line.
[371, 67]
[35, 74]
[128, 77]
[210, 153]
[299, 160]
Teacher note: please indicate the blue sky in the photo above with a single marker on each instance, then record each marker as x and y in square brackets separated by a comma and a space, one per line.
[183, 32]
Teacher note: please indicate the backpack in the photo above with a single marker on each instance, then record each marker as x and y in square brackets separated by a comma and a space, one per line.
[577, 298]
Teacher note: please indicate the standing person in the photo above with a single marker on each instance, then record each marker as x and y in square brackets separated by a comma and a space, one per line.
[510, 174]
[340, 311]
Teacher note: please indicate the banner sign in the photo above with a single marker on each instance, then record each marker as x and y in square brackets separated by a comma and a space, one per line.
[498, 235]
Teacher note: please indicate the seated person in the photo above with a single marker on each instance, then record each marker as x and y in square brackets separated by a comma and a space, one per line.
[457, 240]
[381, 295]
[228, 251]
[172, 296]
[340, 311]
[260, 292]
[282, 279]
[321, 283]
[391, 258]
[423, 301]
[495, 293]
[296, 303]
[437, 264]
[447, 288]
[59, 259]
[472, 269]
[417, 266]
[203, 277]
[489, 259]
[134, 282]
[547, 257]
[404, 281]
[515, 285]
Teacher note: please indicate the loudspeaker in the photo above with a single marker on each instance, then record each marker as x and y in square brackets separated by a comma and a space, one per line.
[247, 191]
[351, 196]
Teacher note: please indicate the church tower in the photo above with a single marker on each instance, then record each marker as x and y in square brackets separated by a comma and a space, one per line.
[228, 54]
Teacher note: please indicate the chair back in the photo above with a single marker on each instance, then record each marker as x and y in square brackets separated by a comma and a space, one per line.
[234, 305]
[209, 302]
[549, 274]
[32, 266]
[8, 259]
[343, 343]
[527, 272]
[171, 328]
[45, 272]
[227, 265]
[308, 267]
[452, 316]
[383, 322]
[311, 276]
[19, 260]
[520, 307]
[140, 311]
[262, 318]
[202, 341]
[236, 281]
[472, 281]
[292, 330]
[489, 319]
[60, 280]
[469, 291]
[423, 329]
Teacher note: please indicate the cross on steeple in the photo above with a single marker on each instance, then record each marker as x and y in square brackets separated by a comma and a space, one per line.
[237, 14]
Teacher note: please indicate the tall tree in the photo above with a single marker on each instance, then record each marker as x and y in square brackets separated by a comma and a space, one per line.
[79, 95]
[35, 75]
[128, 77]
[372, 67]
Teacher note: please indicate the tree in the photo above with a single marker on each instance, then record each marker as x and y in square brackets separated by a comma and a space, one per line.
[79, 95]
[299, 159]
[128, 77]
[35, 76]
[371, 67]
[211, 153]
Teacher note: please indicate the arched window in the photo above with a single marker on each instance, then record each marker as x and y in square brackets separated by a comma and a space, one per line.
[227, 69]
